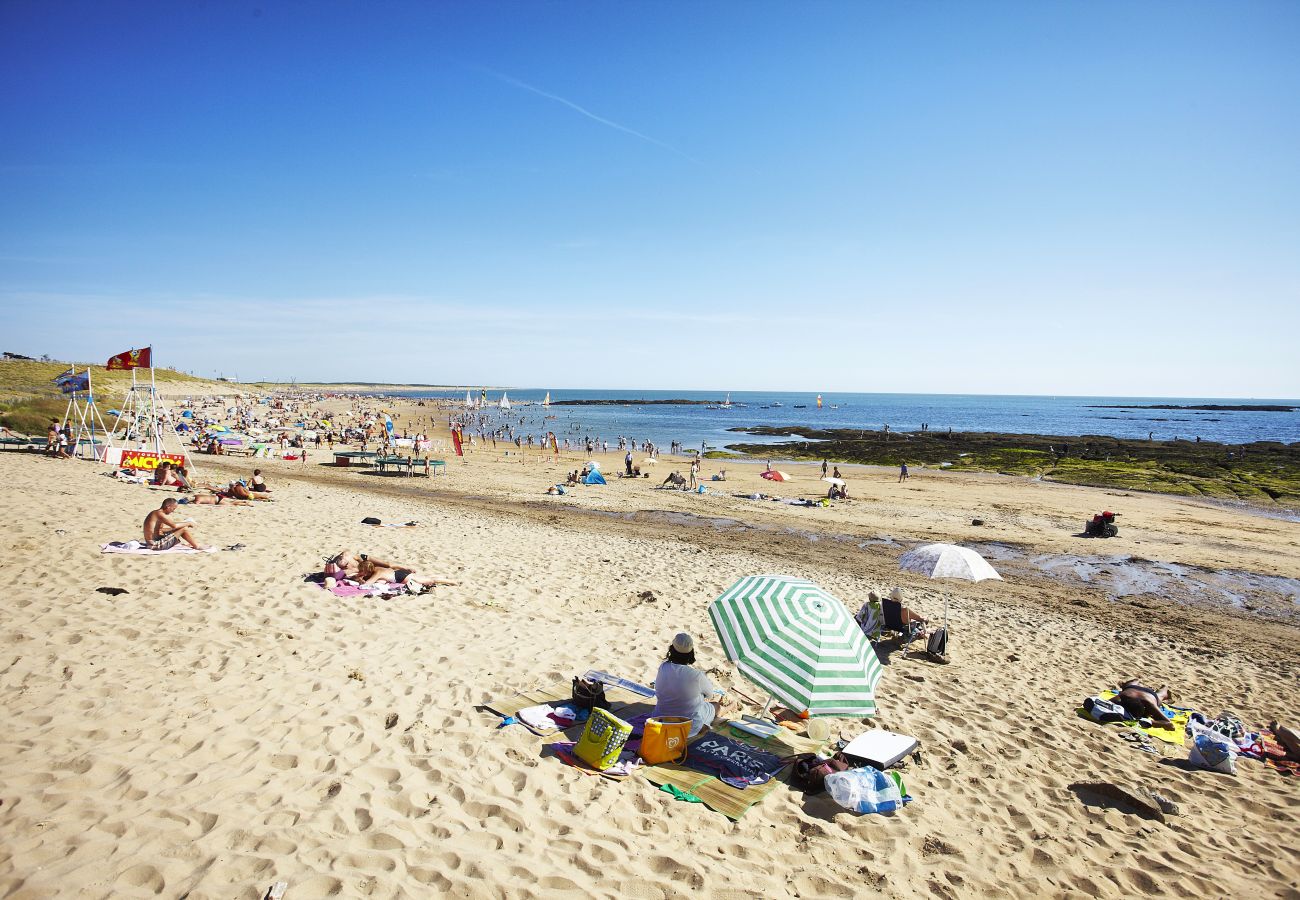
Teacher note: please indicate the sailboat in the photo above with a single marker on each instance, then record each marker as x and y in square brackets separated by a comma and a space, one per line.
[505, 401]
[726, 404]
[546, 401]
[469, 401]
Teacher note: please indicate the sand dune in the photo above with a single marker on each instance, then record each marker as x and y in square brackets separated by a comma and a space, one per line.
[222, 725]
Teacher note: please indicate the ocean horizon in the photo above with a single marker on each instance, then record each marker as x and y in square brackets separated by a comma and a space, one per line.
[702, 422]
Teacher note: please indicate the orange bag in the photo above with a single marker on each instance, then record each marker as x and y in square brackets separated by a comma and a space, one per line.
[665, 740]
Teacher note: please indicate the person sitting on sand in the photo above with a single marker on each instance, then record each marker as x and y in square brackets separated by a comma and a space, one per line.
[1143, 703]
[370, 571]
[161, 532]
[683, 690]
[258, 483]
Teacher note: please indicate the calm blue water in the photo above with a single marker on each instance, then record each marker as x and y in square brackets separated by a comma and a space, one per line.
[1066, 416]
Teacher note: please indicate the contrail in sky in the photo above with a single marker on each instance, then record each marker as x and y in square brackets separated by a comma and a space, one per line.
[589, 114]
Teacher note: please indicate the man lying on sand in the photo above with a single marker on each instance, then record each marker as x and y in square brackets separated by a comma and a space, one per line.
[161, 532]
[1143, 703]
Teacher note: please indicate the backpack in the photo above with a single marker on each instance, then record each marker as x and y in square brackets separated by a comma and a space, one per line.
[937, 645]
[1104, 711]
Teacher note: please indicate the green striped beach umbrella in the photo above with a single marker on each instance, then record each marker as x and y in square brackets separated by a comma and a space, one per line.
[798, 643]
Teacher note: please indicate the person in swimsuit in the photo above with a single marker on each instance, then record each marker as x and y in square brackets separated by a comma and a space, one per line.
[161, 532]
[1141, 702]
[370, 571]
[259, 483]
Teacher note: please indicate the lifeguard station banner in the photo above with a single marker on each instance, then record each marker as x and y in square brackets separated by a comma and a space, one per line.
[140, 459]
[131, 359]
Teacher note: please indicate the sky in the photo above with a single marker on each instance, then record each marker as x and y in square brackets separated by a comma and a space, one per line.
[1027, 198]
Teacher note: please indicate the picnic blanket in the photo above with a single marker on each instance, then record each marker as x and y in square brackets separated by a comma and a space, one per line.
[681, 780]
[345, 588]
[1177, 715]
[138, 548]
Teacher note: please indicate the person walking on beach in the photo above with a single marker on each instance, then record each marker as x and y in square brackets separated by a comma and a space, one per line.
[902, 473]
[823, 468]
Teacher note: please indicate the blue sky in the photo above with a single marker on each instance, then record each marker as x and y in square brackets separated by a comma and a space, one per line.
[1075, 198]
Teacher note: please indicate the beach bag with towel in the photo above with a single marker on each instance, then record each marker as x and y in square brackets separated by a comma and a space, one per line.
[1214, 752]
[602, 740]
[665, 739]
[1104, 711]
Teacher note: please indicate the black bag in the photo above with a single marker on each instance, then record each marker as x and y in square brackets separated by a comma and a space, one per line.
[809, 772]
[937, 646]
[588, 694]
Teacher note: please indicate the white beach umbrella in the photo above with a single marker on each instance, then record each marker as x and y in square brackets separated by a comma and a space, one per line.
[838, 482]
[947, 561]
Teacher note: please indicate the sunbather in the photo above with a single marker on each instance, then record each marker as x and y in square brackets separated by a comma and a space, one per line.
[898, 617]
[258, 483]
[1288, 738]
[161, 532]
[369, 571]
[682, 690]
[1143, 703]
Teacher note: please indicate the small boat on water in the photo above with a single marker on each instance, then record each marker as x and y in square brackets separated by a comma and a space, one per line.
[801, 406]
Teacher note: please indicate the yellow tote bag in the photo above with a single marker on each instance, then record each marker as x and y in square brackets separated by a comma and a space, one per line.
[665, 740]
[602, 740]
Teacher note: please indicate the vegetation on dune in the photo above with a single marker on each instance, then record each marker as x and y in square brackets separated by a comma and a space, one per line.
[29, 397]
[1264, 472]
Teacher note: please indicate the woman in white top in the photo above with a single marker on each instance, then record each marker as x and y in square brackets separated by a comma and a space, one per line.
[683, 690]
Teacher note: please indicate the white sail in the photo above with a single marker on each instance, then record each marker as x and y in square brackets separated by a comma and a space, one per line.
[726, 404]
[469, 401]
[505, 401]
[547, 400]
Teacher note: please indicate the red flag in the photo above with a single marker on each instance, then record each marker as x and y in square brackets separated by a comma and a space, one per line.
[455, 442]
[131, 359]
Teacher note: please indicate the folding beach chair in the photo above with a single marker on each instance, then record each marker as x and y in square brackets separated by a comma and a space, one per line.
[892, 612]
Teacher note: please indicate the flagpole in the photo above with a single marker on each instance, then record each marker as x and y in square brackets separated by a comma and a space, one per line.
[153, 407]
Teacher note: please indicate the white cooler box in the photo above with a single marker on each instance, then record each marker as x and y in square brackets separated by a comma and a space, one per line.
[880, 748]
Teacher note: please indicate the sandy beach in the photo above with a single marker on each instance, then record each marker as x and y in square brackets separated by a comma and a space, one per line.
[223, 725]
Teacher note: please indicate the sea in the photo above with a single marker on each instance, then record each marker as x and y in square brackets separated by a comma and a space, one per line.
[713, 426]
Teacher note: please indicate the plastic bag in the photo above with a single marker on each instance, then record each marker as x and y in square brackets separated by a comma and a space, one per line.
[864, 790]
[1211, 751]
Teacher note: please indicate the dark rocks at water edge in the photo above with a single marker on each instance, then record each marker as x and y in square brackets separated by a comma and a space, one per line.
[1264, 472]
[1205, 406]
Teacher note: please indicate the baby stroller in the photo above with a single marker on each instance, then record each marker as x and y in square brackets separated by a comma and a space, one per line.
[1101, 525]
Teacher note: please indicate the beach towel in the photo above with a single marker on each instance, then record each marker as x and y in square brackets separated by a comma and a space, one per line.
[737, 764]
[1266, 749]
[137, 548]
[1177, 715]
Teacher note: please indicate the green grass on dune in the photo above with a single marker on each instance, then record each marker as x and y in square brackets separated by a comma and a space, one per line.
[29, 397]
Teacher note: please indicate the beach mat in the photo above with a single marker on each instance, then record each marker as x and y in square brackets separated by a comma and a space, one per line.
[720, 797]
[622, 702]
